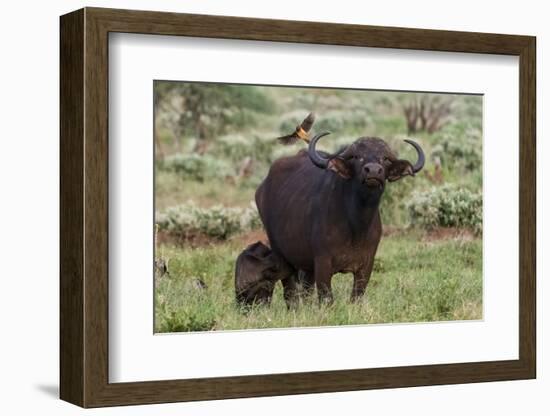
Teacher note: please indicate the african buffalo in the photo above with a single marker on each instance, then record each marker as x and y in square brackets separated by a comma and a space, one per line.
[321, 211]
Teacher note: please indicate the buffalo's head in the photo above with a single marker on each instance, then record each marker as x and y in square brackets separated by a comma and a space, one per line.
[369, 161]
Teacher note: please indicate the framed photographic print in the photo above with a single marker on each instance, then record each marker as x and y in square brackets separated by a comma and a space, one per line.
[255, 207]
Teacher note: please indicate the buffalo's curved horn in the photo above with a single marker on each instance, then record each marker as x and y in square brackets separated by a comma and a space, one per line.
[315, 157]
[421, 159]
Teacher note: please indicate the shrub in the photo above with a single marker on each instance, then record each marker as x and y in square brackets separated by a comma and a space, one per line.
[285, 151]
[208, 109]
[447, 206]
[197, 167]
[218, 221]
[236, 147]
[196, 314]
[334, 121]
[460, 147]
[292, 119]
[186, 322]
[393, 205]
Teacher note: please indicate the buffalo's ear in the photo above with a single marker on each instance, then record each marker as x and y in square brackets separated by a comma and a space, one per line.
[399, 169]
[338, 165]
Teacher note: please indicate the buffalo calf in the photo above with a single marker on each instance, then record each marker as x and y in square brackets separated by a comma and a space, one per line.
[256, 272]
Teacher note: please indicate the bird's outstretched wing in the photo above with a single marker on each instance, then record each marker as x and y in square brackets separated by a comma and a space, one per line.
[301, 132]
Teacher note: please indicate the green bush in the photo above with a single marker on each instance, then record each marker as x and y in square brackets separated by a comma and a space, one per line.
[196, 314]
[197, 167]
[218, 221]
[291, 120]
[393, 205]
[460, 147]
[335, 121]
[186, 322]
[205, 110]
[236, 147]
[447, 206]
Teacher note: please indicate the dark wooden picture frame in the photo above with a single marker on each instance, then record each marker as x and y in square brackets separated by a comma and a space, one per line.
[84, 207]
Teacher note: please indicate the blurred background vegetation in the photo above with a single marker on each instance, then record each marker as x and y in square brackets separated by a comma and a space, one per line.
[214, 144]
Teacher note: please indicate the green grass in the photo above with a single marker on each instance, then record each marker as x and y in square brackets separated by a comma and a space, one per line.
[417, 278]
[171, 190]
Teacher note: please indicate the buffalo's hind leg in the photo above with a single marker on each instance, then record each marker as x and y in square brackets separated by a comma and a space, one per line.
[360, 281]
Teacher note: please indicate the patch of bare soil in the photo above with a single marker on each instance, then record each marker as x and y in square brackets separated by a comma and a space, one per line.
[193, 240]
[388, 230]
[244, 239]
[198, 240]
[442, 233]
[251, 237]
[436, 234]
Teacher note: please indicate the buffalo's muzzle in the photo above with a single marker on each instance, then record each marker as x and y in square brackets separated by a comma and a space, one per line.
[373, 174]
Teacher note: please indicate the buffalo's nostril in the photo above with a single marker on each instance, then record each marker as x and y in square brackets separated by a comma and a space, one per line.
[373, 169]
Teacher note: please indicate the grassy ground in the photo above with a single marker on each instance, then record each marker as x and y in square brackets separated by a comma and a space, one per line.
[417, 277]
[172, 190]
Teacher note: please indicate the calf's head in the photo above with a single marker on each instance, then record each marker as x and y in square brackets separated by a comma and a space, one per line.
[368, 161]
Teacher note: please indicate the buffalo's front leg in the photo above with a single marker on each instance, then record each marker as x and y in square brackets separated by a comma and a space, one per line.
[362, 276]
[361, 279]
[307, 280]
[323, 277]
[289, 291]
